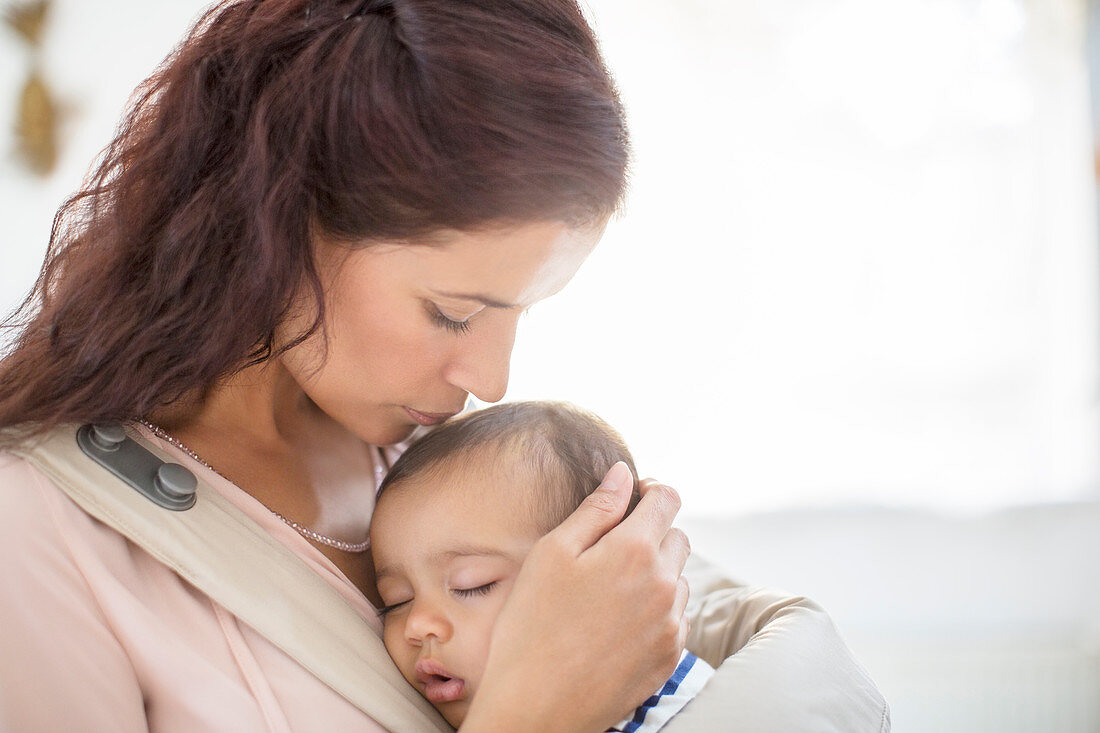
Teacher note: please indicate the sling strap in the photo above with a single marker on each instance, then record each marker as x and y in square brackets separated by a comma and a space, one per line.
[215, 547]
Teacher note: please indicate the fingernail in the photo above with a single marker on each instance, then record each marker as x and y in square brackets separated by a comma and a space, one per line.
[619, 477]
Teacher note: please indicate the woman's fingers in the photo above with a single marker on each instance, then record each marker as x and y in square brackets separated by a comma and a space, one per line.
[675, 548]
[599, 512]
[584, 588]
[652, 518]
[679, 610]
[679, 606]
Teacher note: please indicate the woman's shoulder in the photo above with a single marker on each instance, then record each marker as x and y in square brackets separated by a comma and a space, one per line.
[51, 619]
[43, 527]
[29, 502]
[51, 547]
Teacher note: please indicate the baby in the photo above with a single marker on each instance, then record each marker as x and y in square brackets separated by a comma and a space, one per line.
[455, 517]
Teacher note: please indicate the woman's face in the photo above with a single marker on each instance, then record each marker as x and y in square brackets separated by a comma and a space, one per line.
[413, 329]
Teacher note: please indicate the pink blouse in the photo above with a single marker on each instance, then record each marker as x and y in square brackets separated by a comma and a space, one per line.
[97, 635]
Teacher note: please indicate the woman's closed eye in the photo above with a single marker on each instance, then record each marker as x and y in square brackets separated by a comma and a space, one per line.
[481, 590]
[445, 322]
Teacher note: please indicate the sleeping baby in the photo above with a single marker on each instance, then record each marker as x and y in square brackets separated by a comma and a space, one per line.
[456, 516]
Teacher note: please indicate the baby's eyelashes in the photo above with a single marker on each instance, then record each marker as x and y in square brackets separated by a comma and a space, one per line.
[392, 607]
[473, 592]
[480, 590]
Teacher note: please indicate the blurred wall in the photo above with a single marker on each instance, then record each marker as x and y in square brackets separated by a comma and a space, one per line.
[859, 262]
[94, 54]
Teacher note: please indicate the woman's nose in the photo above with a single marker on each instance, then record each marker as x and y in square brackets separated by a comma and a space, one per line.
[480, 366]
[425, 620]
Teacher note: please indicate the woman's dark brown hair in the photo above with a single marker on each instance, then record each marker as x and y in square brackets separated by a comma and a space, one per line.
[276, 121]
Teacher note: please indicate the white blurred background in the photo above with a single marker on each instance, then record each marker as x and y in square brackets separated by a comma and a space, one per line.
[852, 312]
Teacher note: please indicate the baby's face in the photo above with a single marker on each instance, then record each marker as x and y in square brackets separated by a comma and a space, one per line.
[447, 548]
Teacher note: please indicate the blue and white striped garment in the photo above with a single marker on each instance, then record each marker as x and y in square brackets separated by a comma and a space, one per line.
[684, 684]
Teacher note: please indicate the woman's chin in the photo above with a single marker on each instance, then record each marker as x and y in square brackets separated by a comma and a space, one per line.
[383, 435]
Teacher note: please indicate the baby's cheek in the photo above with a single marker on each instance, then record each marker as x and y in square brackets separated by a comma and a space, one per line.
[479, 651]
[393, 638]
[492, 609]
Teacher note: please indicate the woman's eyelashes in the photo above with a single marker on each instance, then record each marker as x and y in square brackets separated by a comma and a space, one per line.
[448, 324]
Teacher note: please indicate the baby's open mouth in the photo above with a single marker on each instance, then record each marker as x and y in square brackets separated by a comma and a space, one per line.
[439, 685]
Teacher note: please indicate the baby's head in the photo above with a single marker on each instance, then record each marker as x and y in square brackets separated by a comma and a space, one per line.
[454, 520]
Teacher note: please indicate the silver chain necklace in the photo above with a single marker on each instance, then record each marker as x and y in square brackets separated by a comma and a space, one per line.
[304, 531]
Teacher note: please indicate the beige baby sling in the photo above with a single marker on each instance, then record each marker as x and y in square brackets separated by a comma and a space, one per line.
[222, 552]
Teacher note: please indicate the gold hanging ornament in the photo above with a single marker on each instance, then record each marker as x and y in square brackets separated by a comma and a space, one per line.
[27, 19]
[36, 115]
[35, 130]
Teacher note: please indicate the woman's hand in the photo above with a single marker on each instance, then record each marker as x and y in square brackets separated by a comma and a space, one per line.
[595, 622]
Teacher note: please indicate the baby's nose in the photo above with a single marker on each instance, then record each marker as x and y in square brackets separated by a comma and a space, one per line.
[427, 621]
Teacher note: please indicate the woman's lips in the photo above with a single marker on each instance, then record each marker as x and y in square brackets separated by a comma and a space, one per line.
[439, 685]
[428, 418]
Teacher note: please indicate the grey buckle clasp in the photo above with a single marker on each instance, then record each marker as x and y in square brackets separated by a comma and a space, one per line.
[169, 485]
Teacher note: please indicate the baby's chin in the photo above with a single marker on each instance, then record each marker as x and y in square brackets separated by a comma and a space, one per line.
[455, 712]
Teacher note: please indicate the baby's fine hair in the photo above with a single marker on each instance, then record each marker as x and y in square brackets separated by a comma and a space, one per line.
[564, 449]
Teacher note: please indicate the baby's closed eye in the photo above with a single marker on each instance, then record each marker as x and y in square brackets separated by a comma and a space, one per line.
[481, 590]
[392, 607]
[475, 591]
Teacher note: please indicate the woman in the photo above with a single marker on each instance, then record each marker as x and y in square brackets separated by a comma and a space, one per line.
[315, 232]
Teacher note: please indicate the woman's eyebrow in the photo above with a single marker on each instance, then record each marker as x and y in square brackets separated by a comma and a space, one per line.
[483, 299]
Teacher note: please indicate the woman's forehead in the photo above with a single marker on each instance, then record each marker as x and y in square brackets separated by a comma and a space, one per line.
[513, 267]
